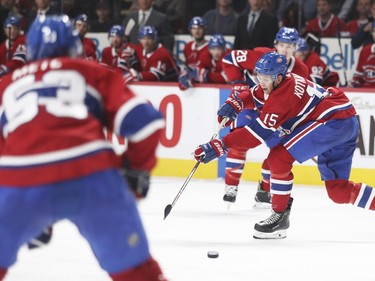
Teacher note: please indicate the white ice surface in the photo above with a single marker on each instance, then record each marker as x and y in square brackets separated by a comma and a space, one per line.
[326, 241]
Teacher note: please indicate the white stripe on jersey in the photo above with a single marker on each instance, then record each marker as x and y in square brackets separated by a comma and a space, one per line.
[59, 155]
[333, 108]
[147, 130]
[254, 134]
[95, 94]
[124, 110]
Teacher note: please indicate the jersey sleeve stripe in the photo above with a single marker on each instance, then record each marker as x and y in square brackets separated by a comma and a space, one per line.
[333, 109]
[138, 121]
[147, 131]
[124, 111]
[254, 134]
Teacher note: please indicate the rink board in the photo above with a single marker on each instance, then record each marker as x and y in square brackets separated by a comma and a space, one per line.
[191, 120]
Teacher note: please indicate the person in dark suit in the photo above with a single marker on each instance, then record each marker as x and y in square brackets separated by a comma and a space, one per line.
[149, 16]
[256, 28]
[42, 7]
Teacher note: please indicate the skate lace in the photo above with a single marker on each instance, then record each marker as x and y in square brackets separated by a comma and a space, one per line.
[272, 219]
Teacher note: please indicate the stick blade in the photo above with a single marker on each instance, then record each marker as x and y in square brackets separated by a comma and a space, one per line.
[167, 210]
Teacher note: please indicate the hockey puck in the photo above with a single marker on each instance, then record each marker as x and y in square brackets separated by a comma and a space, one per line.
[213, 254]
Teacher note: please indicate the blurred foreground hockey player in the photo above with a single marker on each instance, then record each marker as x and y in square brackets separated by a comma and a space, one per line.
[65, 169]
[299, 120]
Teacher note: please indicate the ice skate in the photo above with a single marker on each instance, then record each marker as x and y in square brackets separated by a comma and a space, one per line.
[275, 226]
[262, 198]
[230, 193]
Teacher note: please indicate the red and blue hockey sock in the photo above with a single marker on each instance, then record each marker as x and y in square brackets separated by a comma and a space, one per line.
[358, 194]
[234, 166]
[266, 176]
[280, 164]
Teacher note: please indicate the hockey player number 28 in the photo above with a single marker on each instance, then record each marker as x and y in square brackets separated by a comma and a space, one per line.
[61, 92]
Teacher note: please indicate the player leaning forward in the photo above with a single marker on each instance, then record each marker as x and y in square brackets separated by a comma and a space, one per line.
[65, 169]
[298, 120]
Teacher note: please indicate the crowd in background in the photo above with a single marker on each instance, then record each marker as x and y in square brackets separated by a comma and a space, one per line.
[290, 13]
[253, 23]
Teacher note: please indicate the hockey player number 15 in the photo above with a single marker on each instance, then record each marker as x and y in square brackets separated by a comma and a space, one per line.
[270, 119]
[61, 92]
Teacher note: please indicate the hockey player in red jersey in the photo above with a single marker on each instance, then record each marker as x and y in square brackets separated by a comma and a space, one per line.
[156, 64]
[364, 75]
[82, 25]
[120, 54]
[65, 168]
[238, 67]
[310, 121]
[209, 68]
[192, 51]
[13, 49]
[318, 70]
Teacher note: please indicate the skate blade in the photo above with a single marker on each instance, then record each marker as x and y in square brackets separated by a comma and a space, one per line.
[261, 205]
[229, 204]
[279, 234]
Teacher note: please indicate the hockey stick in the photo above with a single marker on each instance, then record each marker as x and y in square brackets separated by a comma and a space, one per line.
[341, 53]
[169, 207]
[180, 61]
[10, 43]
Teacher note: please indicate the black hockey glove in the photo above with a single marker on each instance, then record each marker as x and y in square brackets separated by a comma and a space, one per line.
[42, 239]
[139, 181]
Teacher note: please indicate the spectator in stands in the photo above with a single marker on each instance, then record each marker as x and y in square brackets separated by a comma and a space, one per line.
[256, 28]
[120, 55]
[192, 51]
[308, 10]
[176, 13]
[222, 20]
[42, 7]
[364, 75]
[209, 67]
[292, 17]
[13, 49]
[198, 7]
[326, 24]
[147, 15]
[318, 70]
[104, 21]
[73, 8]
[156, 64]
[82, 24]
[364, 35]
[122, 8]
[363, 10]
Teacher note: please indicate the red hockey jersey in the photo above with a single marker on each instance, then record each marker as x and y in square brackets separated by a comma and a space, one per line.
[213, 69]
[89, 49]
[192, 52]
[331, 28]
[156, 65]
[317, 68]
[294, 102]
[53, 115]
[364, 75]
[111, 56]
[15, 56]
[239, 61]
